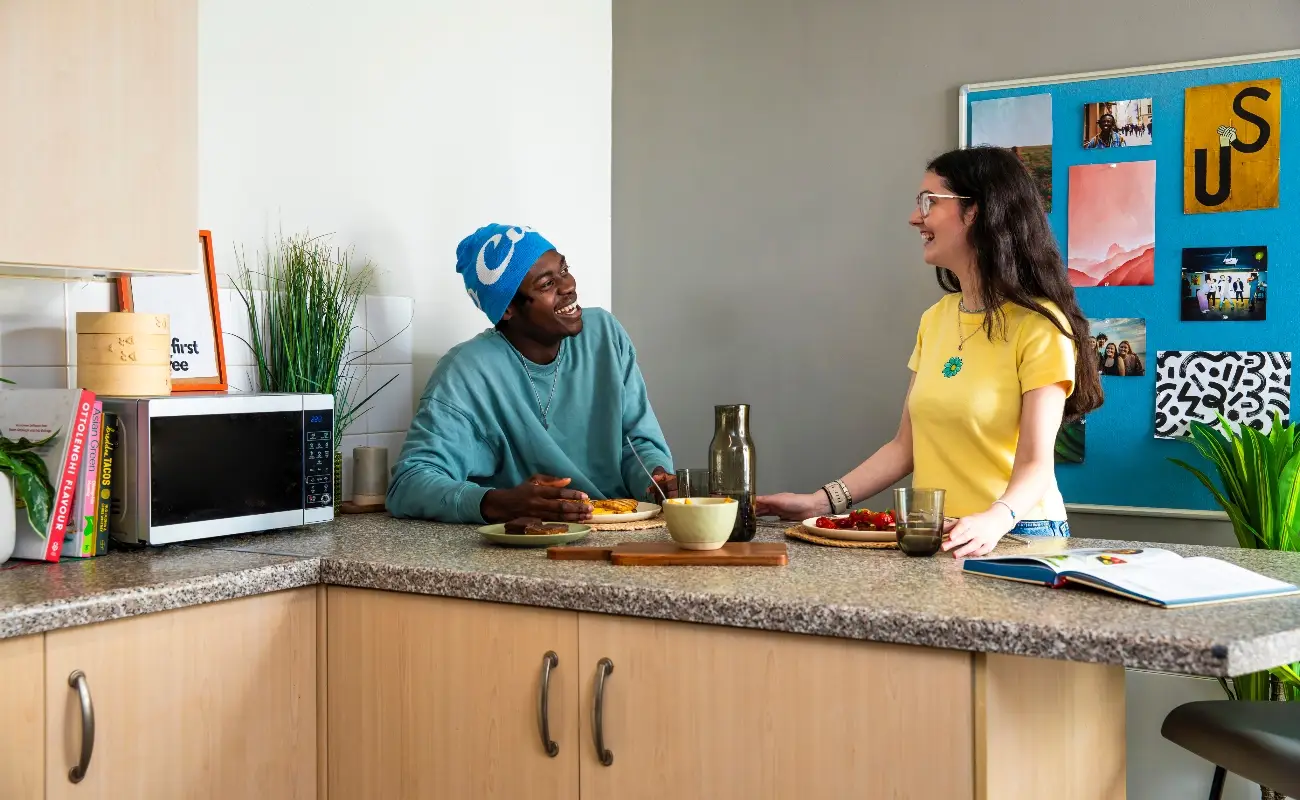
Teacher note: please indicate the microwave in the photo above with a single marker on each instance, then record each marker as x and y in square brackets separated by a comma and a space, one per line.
[195, 466]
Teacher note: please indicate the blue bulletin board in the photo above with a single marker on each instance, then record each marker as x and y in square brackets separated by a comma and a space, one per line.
[1125, 467]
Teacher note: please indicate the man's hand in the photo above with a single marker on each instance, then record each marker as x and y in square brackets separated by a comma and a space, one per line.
[665, 481]
[543, 496]
[1227, 135]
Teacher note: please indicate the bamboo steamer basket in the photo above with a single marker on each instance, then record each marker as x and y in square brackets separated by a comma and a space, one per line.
[123, 354]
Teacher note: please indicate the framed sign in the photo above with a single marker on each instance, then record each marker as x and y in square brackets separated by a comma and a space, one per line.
[198, 356]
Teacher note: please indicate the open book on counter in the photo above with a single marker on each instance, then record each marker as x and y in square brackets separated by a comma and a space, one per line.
[1148, 574]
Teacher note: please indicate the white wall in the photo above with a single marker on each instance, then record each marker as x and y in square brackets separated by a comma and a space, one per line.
[398, 126]
[401, 126]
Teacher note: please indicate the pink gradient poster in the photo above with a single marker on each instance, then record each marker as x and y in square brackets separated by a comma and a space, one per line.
[1112, 223]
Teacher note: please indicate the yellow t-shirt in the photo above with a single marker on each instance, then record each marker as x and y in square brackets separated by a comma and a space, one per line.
[966, 414]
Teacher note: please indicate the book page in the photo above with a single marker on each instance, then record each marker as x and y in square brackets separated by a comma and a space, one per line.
[1086, 559]
[1187, 579]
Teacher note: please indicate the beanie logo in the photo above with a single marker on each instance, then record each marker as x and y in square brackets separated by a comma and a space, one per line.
[490, 275]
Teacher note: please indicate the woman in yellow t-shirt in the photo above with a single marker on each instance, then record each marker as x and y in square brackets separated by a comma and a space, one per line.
[998, 363]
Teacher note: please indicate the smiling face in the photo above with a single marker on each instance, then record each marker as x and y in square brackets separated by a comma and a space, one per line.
[1124, 348]
[944, 228]
[1106, 124]
[546, 309]
[1110, 350]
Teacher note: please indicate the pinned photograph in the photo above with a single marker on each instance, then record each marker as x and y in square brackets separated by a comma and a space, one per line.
[1246, 387]
[1071, 442]
[1117, 123]
[1121, 344]
[1231, 146]
[1225, 284]
[1112, 226]
[1023, 125]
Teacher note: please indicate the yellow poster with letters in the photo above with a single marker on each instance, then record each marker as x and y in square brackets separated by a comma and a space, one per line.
[1232, 146]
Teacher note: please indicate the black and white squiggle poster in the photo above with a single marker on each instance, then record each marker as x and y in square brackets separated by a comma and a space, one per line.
[1247, 387]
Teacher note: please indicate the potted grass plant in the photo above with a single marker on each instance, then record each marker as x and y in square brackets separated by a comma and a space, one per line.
[301, 299]
[1260, 478]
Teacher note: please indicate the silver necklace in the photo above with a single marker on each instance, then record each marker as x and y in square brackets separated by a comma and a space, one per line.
[545, 409]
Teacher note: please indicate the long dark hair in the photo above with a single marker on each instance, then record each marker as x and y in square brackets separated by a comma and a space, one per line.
[1016, 255]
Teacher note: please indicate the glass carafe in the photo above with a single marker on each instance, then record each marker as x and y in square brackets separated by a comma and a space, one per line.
[732, 465]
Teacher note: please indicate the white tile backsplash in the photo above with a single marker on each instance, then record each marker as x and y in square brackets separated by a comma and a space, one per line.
[352, 380]
[388, 321]
[33, 323]
[241, 379]
[391, 407]
[234, 327]
[84, 297]
[35, 377]
[358, 340]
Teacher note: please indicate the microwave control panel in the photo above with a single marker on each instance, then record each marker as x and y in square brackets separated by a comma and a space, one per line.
[318, 482]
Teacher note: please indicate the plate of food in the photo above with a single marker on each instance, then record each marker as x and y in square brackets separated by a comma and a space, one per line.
[859, 525]
[604, 511]
[533, 532]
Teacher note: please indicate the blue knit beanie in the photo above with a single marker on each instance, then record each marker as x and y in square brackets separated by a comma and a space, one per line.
[494, 260]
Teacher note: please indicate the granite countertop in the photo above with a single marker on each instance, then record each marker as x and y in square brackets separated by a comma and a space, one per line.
[858, 594]
[36, 597]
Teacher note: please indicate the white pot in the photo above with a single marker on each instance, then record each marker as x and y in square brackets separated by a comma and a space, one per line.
[7, 517]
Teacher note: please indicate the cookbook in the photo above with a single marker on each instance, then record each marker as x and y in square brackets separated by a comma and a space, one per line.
[1147, 574]
[62, 416]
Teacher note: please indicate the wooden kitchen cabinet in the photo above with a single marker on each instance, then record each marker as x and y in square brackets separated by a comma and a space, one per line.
[22, 700]
[99, 147]
[697, 711]
[213, 701]
[433, 697]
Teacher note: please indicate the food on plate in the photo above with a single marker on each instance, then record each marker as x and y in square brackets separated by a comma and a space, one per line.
[533, 526]
[613, 507]
[860, 519]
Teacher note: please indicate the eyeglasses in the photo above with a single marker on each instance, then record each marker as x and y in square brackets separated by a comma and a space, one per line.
[926, 199]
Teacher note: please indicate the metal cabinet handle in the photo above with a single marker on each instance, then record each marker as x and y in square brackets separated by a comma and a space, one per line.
[549, 662]
[77, 680]
[603, 668]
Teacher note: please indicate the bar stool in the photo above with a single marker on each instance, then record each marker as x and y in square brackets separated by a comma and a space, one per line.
[1258, 740]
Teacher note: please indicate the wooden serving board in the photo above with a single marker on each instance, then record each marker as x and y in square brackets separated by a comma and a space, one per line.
[668, 554]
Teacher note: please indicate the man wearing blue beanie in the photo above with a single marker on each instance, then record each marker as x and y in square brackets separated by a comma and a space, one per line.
[533, 417]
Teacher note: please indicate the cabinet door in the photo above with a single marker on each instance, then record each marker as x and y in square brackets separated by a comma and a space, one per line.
[99, 147]
[433, 697]
[699, 711]
[22, 704]
[215, 701]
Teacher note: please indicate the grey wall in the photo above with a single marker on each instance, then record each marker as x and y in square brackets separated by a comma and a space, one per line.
[766, 157]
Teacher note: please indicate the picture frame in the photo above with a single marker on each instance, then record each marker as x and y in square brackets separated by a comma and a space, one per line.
[198, 352]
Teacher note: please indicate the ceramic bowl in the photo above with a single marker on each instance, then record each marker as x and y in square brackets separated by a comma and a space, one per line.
[700, 523]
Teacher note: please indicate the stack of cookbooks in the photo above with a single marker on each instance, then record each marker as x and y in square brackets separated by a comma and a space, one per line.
[78, 441]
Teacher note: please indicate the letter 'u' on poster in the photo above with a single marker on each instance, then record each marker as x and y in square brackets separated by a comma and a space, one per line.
[1232, 146]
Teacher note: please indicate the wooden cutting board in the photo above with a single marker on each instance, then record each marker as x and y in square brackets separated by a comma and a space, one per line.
[668, 554]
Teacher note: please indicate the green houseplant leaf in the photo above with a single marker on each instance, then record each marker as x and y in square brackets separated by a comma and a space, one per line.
[32, 486]
[1259, 490]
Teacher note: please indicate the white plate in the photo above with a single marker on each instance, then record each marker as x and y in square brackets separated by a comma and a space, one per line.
[498, 535]
[810, 525]
[643, 511]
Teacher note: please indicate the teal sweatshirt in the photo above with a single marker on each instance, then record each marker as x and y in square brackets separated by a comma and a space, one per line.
[479, 426]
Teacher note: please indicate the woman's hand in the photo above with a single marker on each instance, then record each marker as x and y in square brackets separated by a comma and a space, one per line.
[795, 507]
[978, 534]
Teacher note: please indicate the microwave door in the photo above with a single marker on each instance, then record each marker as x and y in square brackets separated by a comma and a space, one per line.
[216, 474]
